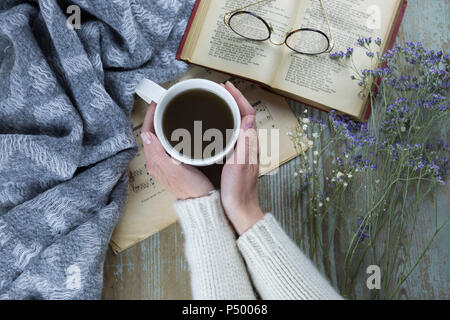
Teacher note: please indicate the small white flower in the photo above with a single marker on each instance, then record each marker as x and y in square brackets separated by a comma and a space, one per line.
[300, 171]
[300, 134]
[377, 181]
[339, 174]
[316, 153]
[315, 135]
[328, 199]
[295, 174]
[346, 156]
[332, 179]
[288, 133]
[320, 204]
[305, 111]
[315, 162]
[305, 127]
[356, 170]
[310, 143]
[349, 175]
[345, 184]
[402, 129]
[305, 120]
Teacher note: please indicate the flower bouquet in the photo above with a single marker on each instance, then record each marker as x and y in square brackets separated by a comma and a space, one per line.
[367, 203]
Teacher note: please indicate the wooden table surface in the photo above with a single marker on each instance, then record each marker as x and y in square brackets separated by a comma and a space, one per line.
[156, 268]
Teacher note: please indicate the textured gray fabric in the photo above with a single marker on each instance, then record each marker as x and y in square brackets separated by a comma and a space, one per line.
[65, 133]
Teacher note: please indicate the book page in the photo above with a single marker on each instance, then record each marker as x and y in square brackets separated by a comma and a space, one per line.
[149, 206]
[326, 81]
[219, 48]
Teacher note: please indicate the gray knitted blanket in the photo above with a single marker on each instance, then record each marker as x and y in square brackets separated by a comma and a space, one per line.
[65, 132]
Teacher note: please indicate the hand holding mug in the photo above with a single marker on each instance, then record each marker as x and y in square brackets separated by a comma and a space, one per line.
[166, 165]
[239, 191]
[182, 180]
[239, 183]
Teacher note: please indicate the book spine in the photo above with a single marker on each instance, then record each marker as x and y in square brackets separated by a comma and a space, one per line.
[188, 28]
[390, 45]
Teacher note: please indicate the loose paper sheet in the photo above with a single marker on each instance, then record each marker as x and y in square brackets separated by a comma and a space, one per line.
[149, 207]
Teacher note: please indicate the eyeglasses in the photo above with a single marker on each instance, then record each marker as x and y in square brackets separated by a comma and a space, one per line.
[307, 41]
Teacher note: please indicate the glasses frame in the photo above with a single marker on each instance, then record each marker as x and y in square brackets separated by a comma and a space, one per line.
[229, 15]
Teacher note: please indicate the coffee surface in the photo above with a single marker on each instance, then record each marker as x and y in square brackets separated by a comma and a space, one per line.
[196, 111]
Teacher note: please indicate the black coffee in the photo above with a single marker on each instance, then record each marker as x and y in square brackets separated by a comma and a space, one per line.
[195, 112]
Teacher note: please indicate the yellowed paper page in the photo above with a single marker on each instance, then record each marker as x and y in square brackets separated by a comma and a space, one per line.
[220, 48]
[321, 79]
[149, 207]
[275, 121]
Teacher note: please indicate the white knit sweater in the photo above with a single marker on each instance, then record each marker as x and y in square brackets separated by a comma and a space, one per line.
[277, 267]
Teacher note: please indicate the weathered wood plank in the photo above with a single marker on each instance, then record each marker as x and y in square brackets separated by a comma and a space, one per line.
[157, 269]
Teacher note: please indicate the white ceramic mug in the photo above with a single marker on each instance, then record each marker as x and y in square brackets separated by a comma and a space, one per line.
[150, 91]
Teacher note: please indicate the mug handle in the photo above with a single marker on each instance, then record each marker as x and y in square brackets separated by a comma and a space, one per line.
[150, 91]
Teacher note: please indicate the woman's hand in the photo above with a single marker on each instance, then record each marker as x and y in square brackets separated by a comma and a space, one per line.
[239, 183]
[182, 180]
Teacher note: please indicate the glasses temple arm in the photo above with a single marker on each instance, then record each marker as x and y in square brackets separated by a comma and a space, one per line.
[331, 46]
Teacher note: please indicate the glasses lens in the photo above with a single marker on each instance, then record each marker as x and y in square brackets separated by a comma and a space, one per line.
[308, 41]
[249, 26]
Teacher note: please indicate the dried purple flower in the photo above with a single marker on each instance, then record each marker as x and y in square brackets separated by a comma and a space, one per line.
[363, 231]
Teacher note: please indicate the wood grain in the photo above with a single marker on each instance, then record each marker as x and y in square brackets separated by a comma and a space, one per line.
[157, 269]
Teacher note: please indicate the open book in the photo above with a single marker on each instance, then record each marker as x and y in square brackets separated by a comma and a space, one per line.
[317, 81]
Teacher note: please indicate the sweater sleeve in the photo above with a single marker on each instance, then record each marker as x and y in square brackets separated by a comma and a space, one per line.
[278, 268]
[216, 266]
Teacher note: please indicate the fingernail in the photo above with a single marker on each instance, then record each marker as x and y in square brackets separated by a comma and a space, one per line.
[250, 122]
[146, 137]
[230, 84]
